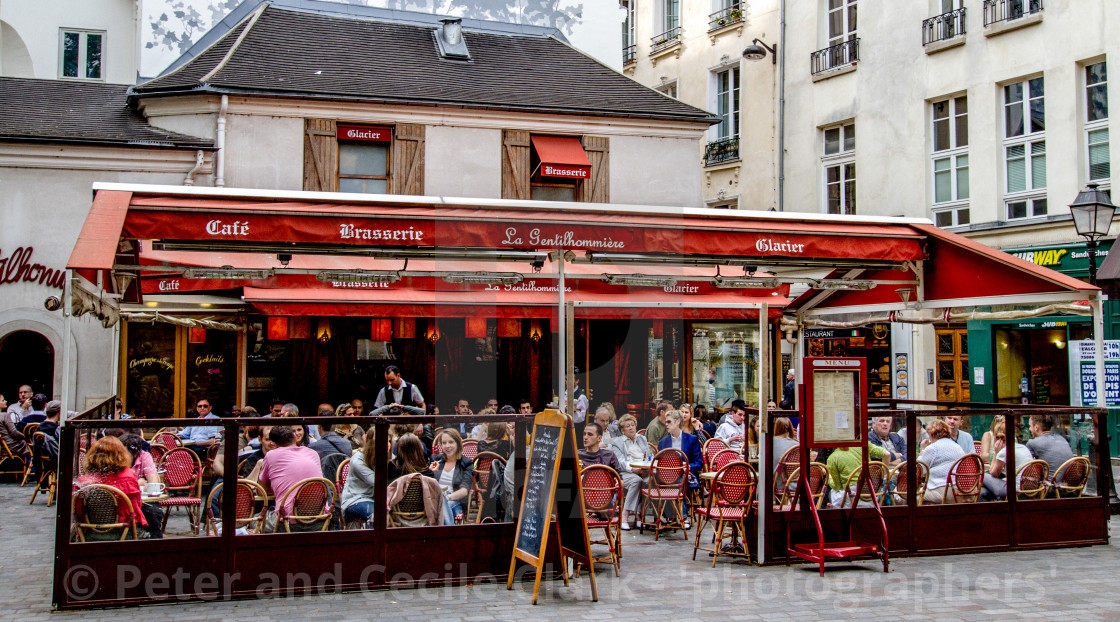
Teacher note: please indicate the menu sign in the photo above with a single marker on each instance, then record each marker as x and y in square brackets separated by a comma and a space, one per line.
[1083, 373]
[835, 408]
[552, 486]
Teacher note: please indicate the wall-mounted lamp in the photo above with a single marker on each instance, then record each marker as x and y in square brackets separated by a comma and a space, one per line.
[433, 335]
[757, 51]
[904, 293]
[323, 330]
[535, 330]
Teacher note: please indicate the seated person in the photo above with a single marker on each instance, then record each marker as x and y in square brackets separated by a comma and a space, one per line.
[44, 449]
[357, 494]
[108, 462]
[331, 442]
[939, 456]
[690, 445]
[631, 447]
[145, 469]
[842, 462]
[995, 486]
[283, 467]
[783, 439]
[604, 416]
[454, 472]
[202, 437]
[412, 458]
[13, 438]
[496, 441]
[881, 435]
[350, 431]
[38, 403]
[1045, 445]
[593, 452]
[733, 431]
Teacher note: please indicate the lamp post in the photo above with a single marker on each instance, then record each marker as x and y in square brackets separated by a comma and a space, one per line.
[1092, 216]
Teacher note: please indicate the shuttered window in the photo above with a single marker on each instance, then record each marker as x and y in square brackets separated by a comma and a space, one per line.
[331, 165]
[517, 182]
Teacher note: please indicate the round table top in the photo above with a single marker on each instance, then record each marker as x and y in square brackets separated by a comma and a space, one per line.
[640, 465]
[146, 498]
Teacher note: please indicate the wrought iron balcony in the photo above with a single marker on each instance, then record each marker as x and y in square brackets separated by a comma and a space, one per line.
[943, 27]
[665, 39]
[629, 54]
[721, 150]
[839, 55]
[725, 17]
[996, 11]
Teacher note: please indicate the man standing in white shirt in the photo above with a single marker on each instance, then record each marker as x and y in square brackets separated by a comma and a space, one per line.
[397, 391]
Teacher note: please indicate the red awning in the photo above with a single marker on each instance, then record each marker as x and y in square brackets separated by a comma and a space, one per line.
[562, 156]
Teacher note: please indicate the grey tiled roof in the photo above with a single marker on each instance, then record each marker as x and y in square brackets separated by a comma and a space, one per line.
[296, 53]
[79, 112]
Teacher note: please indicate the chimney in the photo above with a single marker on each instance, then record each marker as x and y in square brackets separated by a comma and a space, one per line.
[449, 38]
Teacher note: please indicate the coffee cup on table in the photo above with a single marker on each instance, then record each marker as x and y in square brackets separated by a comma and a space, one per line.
[153, 489]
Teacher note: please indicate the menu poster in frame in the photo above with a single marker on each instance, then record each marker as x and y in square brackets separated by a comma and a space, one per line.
[835, 409]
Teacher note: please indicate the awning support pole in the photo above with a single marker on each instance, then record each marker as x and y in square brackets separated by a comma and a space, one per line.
[763, 419]
[67, 295]
[562, 332]
[570, 362]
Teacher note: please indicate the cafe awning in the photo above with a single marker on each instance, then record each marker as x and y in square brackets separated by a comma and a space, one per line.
[561, 156]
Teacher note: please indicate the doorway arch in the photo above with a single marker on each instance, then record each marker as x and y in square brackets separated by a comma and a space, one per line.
[26, 357]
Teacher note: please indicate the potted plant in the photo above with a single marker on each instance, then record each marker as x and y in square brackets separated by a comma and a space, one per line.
[735, 14]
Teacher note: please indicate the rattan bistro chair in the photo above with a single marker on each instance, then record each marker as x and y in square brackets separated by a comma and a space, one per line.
[47, 480]
[249, 494]
[1032, 479]
[668, 479]
[312, 507]
[483, 463]
[729, 505]
[1069, 480]
[712, 447]
[878, 476]
[29, 468]
[899, 484]
[965, 480]
[602, 498]
[409, 511]
[97, 514]
[183, 477]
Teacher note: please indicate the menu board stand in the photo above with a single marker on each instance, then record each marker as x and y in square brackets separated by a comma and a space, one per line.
[552, 502]
[835, 392]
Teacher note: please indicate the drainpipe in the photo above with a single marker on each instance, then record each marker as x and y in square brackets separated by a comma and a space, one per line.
[198, 157]
[782, 107]
[220, 154]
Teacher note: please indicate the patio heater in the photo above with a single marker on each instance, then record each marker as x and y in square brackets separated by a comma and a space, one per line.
[1092, 217]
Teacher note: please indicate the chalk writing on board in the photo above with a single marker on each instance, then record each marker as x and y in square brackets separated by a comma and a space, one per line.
[537, 498]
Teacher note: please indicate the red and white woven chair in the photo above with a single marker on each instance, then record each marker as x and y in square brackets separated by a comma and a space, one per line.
[250, 495]
[602, 498]
[712, 448]
[183, 477]
[965, 480]
[482, 465]
[729, 505]
[313, 503]
[668, 481]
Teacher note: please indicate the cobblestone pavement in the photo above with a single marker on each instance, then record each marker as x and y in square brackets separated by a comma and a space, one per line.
[659, 581]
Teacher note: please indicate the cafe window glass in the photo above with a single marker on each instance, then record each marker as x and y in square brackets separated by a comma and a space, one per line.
[211, 368]
[150, 369]
[363, 167]
[724, 363]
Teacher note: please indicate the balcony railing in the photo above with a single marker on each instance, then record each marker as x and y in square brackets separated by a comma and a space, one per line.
[725, 17]
[629, 54]
[996, 11]
[665, 39]
[839, 55]
[721, 150]
[943, 27]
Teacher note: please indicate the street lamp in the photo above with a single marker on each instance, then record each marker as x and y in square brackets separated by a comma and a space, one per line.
[1092, 216]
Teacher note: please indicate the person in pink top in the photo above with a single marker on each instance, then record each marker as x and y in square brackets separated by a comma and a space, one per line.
[285, 466]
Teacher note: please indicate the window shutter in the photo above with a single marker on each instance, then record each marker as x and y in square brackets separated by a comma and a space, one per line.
[408, 159]
[320, 155]
[515, 165]
[596, 189]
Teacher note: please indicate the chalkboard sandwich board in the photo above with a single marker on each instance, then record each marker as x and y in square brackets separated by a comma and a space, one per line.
[552, 501]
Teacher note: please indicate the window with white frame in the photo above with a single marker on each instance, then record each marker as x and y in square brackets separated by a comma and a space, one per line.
[668, 88]
[1096, 122]
[1024, 144]
[841, 21]
[950, 161]
[629, 34]
[80, 54]
[727, 103]
[839, 162]
[672, 12]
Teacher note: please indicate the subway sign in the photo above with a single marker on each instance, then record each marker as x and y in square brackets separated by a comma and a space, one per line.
[1069, 258]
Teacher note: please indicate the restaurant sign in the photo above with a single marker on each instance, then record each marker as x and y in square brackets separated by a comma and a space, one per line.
[365, 132]
[18, 267]
[1070, 258]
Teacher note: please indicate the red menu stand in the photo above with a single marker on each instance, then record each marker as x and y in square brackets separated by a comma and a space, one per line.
[819, 551]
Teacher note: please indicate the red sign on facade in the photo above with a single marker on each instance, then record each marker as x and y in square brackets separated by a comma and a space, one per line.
[365, 132]
[566, 171]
